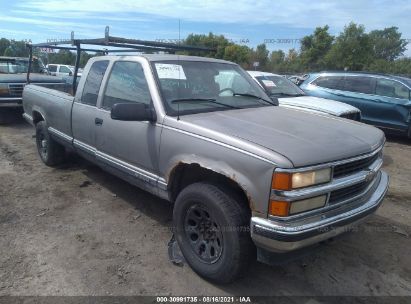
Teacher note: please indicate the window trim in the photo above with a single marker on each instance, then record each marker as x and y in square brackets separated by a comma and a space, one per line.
[108, 75]
[363, 75]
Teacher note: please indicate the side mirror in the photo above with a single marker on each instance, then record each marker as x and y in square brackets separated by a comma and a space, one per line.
[132, 112]
[70, 73]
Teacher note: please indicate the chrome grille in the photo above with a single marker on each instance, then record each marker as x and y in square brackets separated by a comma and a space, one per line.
[355, 166]
[16, 89]
[340, 195]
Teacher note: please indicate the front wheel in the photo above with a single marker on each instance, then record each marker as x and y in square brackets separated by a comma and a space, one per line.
[51, 152]
[212, 230]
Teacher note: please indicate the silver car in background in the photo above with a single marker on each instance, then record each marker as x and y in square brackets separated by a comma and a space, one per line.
[291, 96]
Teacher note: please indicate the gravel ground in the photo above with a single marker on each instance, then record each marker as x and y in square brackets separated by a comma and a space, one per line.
[77, 230]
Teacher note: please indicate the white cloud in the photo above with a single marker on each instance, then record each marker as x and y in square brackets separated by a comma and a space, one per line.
[374, 14]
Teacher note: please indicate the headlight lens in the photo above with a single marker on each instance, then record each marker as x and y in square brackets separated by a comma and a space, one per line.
[4, 89]
[289, 181]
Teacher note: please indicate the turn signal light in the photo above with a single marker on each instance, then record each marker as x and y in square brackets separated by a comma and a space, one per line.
[279, 208]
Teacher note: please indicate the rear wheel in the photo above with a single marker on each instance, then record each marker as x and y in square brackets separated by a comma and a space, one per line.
[212, 230]
[51, 152]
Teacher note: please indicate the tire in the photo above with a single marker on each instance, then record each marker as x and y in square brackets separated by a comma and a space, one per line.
[50, 152]
[212, 230]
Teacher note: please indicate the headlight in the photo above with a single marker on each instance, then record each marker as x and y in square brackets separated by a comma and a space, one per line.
[4, 89]
[289, 181]
[286, 181]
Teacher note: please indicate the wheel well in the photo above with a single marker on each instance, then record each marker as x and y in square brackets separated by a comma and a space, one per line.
[184, 175]
[37, 117]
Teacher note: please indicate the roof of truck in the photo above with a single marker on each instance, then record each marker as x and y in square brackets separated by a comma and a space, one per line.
[166, 57]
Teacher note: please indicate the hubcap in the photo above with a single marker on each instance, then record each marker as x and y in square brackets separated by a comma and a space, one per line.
[204, 234]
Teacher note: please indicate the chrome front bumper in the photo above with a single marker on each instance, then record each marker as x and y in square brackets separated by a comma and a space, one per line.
[283, 236]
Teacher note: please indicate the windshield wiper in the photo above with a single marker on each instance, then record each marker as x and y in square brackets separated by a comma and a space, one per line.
[255, 96]
[210, 100]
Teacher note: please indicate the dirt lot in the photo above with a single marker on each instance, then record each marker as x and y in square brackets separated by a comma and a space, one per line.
[77, 230]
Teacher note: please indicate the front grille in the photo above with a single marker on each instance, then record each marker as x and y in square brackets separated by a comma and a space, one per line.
[355, 166]
[16, 89]
[348, 192]
[353, 116]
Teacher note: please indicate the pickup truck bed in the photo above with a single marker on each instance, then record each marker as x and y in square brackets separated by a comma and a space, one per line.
[54, 104]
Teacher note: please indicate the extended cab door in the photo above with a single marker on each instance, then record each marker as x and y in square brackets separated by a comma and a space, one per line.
[128, 148]
[85, 108]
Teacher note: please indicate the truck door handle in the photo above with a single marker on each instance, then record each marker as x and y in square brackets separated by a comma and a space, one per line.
[98, 121]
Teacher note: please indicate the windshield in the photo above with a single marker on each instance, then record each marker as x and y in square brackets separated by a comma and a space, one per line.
[279, 86]
[17, 66]
[190, 87]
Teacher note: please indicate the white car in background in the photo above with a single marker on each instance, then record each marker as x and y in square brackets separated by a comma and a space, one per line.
[62, 70]
[291, 96]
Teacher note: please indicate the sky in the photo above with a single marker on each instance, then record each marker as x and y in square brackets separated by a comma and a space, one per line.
[279, 23]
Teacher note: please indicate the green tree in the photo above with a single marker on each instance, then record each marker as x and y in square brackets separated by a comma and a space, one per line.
[260, 54]
[314, 48]
[387, 43]
[276, 61]
[239, 54]
[16, 49]
[352, 49]
[4, 44]
[217, 42]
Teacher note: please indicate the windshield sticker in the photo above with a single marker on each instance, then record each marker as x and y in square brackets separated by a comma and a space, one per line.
[170, 71]
[268, 83]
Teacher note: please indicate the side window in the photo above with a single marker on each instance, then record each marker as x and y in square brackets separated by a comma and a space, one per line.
[52, 68]
[64, 69]
[127, 83]
[330, 82]
[391, 88]
[93, 82]
[359, 84]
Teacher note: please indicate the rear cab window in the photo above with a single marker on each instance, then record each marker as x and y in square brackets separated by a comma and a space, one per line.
[93, 82]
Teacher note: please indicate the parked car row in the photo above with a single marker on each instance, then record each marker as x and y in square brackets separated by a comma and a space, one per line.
[245, 175]
[13, 79]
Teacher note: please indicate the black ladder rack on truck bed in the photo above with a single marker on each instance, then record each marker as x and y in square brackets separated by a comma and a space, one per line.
[127, 45]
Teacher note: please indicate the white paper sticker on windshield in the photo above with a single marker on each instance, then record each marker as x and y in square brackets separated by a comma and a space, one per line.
[268, 83]
[170, 71]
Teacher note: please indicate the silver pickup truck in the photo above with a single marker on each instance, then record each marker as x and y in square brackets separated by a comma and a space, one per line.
[242, 172]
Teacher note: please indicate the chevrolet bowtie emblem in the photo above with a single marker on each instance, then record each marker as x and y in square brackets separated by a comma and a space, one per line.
[370, 176]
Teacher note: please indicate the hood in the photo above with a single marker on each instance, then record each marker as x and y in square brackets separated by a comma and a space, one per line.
[323, 105]
[303, 138]
[34, 78]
